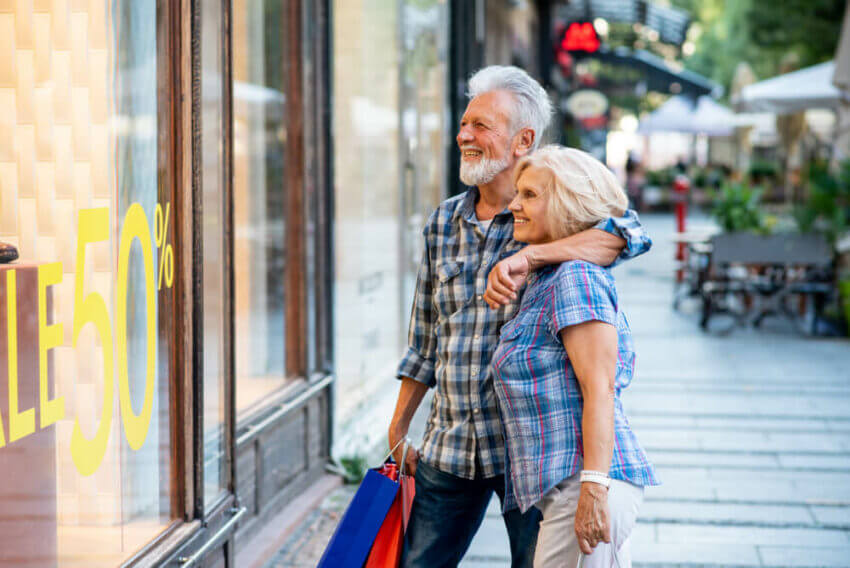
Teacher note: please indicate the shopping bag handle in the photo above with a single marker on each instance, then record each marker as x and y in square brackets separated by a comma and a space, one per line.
[401, 466]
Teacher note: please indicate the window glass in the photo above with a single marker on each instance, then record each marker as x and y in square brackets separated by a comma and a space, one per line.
[259, 131]
[368, 326]
[389, 113]
[84, 381]
[212, 182]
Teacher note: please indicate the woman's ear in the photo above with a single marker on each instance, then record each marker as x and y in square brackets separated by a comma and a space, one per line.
[524, 141]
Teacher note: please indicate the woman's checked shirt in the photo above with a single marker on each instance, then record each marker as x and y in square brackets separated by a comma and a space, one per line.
[539, 395]
[453, 332]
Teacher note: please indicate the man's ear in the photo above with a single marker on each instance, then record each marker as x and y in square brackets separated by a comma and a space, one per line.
[523, 142]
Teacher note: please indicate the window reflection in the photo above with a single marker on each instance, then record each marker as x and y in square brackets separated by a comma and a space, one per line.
[259, 130]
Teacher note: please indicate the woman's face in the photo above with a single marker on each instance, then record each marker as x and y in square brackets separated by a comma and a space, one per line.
[529, 207]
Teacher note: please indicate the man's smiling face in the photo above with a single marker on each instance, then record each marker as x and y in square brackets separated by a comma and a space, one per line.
[485, 137]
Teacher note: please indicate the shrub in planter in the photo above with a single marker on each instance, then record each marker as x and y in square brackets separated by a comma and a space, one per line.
[737, 208]
[827, 208]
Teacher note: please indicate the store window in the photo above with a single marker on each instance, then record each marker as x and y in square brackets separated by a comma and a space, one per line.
[260, 186]
[84, 385]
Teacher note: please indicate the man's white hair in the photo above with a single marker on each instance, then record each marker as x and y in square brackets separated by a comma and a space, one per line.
[533, 109]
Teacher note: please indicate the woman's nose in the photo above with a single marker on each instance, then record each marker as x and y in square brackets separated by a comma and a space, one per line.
[514, 204]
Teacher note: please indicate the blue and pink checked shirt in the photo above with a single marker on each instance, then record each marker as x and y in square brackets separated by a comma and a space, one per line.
[539, 394]
[453, 332]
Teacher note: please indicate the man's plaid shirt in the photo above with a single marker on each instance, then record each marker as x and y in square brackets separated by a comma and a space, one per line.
[453, 332]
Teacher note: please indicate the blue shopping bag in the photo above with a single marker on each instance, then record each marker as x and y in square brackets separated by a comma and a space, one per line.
[353, 538]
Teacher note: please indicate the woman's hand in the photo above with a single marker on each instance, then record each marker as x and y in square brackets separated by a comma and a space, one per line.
[506, 279]
[593, 521]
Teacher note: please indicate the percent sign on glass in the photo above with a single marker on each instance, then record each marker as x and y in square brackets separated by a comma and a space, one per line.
[166, 254]
[91, 308]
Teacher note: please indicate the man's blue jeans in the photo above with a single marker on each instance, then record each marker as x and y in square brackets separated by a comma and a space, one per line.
[446, 514]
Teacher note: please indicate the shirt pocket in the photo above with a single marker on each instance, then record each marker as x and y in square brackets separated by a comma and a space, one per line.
[451, 293]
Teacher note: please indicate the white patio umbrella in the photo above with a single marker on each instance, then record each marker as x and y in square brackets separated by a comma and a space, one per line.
[679, 114]
[713, 119]
[792, 92]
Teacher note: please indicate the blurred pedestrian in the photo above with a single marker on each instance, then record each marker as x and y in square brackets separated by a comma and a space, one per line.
[559, 368]
[453, 332]
[635, 180]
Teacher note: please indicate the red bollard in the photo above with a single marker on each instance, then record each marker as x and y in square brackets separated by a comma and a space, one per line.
[681, 187]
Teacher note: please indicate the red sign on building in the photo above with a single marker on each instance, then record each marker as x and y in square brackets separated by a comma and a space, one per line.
[580, 36]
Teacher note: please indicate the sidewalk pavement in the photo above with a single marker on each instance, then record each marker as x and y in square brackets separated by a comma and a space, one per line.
[750, 433]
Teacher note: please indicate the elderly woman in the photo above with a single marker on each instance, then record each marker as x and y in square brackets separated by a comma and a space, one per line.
[560, 366]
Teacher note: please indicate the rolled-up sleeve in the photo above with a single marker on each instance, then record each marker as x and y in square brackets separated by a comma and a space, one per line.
[627, 227]
[418, 361]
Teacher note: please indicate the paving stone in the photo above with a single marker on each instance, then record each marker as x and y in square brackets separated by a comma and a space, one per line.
[693, 554]
[718, 459]
[763, 424]
[757, 490]
[832, 516]
[690, 533]
[800, 477]
[490, 542]
[647, 422]
[826, 442]
[730, 440]
[815, 461]
[725, 513]
[671, 490]
[805, 556]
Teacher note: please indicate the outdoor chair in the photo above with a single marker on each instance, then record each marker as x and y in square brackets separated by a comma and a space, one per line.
[752, 277]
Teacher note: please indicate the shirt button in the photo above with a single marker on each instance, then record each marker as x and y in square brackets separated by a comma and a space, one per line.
[477, 337]
[476, 411]
[480, 296]
[475, 370]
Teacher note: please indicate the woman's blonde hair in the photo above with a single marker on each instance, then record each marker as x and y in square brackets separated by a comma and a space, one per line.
[581, 190]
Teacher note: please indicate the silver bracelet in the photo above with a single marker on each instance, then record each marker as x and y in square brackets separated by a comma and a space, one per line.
[592, 476]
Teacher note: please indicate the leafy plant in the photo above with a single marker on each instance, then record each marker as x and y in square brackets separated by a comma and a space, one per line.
[354, 468]
[827, 208]
[737, 209]
[660, 178]
[763, 169]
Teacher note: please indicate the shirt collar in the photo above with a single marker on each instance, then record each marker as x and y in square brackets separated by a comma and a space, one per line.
[466, 210]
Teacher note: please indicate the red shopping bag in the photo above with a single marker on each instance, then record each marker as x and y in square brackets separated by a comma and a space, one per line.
[386, 551]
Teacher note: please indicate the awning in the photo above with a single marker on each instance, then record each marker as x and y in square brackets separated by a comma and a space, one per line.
[660, 76]
[792, 92]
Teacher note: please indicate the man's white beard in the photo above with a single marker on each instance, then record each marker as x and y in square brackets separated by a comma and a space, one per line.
[483, 171]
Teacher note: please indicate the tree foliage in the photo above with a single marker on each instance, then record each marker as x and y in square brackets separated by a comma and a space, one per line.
[760, 33]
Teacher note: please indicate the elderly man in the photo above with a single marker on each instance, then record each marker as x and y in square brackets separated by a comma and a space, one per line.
[453, 330]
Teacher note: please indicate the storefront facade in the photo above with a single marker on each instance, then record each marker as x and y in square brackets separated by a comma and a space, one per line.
[215, 275]
[166, 334]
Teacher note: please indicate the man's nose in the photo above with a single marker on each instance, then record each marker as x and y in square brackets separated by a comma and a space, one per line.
[464, 136]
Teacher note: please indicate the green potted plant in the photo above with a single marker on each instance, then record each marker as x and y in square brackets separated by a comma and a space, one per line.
[737, 209]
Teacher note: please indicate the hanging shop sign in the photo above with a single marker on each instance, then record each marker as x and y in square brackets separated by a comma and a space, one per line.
[90, 307]
[587, 103]
[581, 36]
